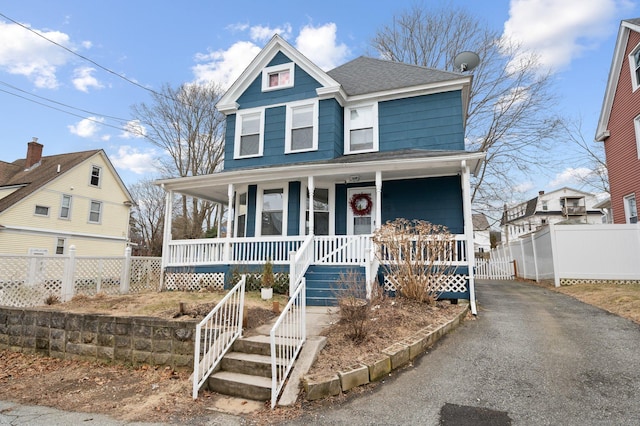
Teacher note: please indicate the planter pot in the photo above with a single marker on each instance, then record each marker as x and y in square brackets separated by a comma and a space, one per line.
[266, 293]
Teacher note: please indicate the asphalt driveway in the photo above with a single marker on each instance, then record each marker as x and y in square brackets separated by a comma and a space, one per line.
[532, 357]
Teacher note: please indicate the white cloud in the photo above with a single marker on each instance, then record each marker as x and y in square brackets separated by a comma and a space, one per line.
[24, 53]
[570, 177]
[263, 34]
[225, 66]
[523, 187]
[320, 46]
[560, 31]
[86, 128]
[83, 79]
[133, 130]
[130, 158]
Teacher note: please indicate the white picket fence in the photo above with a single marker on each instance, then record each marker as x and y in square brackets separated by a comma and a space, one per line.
[29, 280]
[495, 269]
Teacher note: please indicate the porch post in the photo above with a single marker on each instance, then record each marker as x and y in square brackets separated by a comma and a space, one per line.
[166, 234]
[227, 243]
[468, 232]
[312, 221]
[219, 215]
[378, 203]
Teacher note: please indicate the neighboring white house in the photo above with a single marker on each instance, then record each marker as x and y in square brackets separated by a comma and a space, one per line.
[48, 204]
[481, 233]
[564, 205]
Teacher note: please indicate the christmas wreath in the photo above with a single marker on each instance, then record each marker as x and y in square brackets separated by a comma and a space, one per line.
[361, 204]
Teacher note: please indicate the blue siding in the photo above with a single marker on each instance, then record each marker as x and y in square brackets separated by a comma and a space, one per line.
[424, 122]
[251, 210]
[230, 135]
[341, 209]
[331, 128]
[437, 200]
[293, 225]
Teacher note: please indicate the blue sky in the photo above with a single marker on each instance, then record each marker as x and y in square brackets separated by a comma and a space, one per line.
[157, 42]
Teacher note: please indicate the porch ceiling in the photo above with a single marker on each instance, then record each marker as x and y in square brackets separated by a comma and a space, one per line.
[408, 164]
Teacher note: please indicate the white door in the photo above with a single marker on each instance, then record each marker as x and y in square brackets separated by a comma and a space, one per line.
[361, 211]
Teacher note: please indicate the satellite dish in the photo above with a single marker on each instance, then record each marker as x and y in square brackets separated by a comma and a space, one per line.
[466, 61]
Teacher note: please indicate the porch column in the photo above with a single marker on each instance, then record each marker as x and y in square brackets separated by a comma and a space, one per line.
[468, 232]
[378, 202]
[166, 234]
[219, 220]
[227, 243]
[312, 220]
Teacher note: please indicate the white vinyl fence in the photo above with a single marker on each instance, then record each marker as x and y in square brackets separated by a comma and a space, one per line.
[570, 253]
[29, 280]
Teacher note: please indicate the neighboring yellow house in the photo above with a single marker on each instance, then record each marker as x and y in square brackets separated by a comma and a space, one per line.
[48, 204]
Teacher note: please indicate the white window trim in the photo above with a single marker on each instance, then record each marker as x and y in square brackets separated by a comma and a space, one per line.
[627, 213]
[100, 213]
[290, 66]
[332, 207]
[636, 126]
[285, 210]
[35, 210]
[632, 68]
[62, 206]
[289, 124]
[236, 147]
[347, 128]
[99, 176]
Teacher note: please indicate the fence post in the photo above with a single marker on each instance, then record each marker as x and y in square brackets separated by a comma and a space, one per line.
[515, 269]
[68, 275]
[126, 271]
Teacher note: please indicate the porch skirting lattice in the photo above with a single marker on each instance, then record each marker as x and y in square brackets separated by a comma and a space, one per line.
[192, 281]
[456, 283]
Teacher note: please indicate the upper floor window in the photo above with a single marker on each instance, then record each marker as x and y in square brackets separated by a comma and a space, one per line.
[545, 206]
[41, 210]
[634, 65]
[630, 209]
[249, 134]
[65, 207]
[60, 245]
[636, 125]
[302, 128]
[95, 212]
[95, 176]
[361, 125]
[278, 77]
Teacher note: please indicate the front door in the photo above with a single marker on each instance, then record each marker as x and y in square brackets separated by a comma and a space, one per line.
[361, 211]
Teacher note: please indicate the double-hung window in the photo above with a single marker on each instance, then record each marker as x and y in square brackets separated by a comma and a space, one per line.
[61, 243]
[273, 218]
[361, 133]
[301, 127]
[636, 126]
[321, 211]
[249, 134]
[630, 209]
[241, 214]
[95, 212]
[278, 77]
[634, 65]
[65, 207]
[94, 180]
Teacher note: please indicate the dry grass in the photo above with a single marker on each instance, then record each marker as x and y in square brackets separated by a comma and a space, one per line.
[619, 299]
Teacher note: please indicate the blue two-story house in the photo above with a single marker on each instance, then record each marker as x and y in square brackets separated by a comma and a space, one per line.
[315, 161]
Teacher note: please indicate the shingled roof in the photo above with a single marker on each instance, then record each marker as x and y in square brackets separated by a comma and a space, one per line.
[30, 180]
[367, 75]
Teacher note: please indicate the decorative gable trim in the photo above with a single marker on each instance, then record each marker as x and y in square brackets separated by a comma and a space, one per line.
[228, 103]
[602, 133]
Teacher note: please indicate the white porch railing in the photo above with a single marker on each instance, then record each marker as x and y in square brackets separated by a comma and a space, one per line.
[342, 249]
[495, 269]
[287, 337]
[216, 333]
[453, 255]
[299, 264]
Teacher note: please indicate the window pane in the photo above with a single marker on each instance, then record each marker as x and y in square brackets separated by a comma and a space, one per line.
[65, 208]
[302, 138]
[250, 145]
[302, 117]
[272, 223]
[361, 139]
[362, 225]
[272, 200]
[362, 117]
[94, 214]
[284, 78]
[273, 80]
[241, 225]
[42, 210]
[250, 124]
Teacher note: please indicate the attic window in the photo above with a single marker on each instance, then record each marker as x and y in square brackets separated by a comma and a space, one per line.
[95, 176]
[634, 65]
[277, 77]
[41, 211]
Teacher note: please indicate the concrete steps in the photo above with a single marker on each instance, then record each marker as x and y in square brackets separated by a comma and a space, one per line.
[245, 371]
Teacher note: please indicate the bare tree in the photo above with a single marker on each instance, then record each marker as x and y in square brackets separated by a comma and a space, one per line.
[509, 116]
[148, 217]
[185, 124]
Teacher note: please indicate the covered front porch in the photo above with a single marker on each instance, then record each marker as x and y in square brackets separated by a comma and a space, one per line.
[270, 217]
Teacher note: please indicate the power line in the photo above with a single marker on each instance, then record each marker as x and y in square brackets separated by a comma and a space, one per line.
[83, 57]
[62, 104]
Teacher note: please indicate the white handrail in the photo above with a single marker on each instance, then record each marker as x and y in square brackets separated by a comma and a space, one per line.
[287, 336]
[222, 326]
[371, 270]
[300, 262]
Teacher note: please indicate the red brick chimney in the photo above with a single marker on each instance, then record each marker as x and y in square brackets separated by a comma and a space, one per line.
[34, 153]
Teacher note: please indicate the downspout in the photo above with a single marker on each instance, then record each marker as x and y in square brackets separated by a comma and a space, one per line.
[468, 232]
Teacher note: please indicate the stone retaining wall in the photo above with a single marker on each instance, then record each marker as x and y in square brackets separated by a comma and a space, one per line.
[125, 340]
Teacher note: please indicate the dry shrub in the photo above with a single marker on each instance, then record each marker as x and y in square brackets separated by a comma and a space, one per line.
[417, 257]
[350, 290]
[52, 299]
